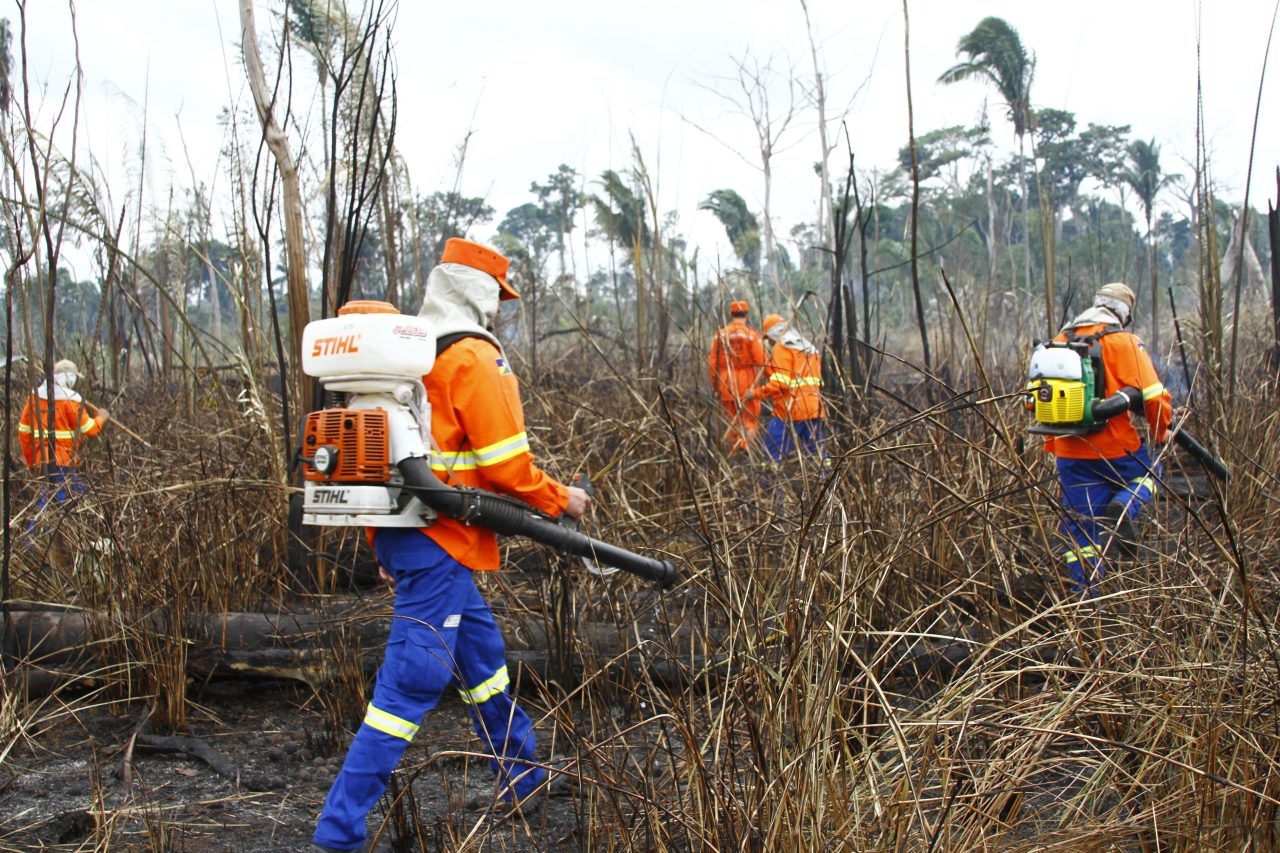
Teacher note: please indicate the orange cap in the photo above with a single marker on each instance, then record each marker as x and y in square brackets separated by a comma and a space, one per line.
[739, 306]
[769, 322]
[476, 256]
[367, 306]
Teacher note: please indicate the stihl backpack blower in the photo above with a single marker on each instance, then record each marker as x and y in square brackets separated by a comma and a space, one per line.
[366, 459]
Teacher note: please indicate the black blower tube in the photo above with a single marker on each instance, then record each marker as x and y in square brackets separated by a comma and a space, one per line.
[1131, 399]
[502, 515]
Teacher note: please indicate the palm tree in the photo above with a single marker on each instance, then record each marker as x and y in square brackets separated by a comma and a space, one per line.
[620, 213]
[1142, 173]
[740, 226]
[993, 51]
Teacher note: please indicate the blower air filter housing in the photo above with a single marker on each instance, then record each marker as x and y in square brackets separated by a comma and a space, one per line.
[377, 357]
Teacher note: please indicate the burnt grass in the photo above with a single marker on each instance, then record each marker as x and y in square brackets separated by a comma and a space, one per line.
[876, 656]
[68, 788]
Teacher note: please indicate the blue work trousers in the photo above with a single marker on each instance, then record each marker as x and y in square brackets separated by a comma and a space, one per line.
[61, 486]
[782, 437]
[443, 634]
[1088, 486]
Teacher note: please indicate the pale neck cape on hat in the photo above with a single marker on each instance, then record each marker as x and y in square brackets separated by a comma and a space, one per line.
[460, 300]
[60, 390]
[1095, 315]
[790, 338]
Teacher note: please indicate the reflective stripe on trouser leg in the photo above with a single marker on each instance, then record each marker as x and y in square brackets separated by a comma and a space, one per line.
[500, 723]
[1136, 479]
[1085, 494]
[1083, 566]
[430, 593]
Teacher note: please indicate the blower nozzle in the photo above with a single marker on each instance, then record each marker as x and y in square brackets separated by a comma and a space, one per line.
[508, 517]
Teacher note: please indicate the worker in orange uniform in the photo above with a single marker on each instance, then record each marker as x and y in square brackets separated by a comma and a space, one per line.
[72, 423]
[793, 382]
[1108, 476]
[443, 632]
[736, 361]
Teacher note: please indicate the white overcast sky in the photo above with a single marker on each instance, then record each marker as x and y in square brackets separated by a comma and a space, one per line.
[570, 81]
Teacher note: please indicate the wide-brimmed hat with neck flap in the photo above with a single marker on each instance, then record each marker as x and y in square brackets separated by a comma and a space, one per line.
[476, 256]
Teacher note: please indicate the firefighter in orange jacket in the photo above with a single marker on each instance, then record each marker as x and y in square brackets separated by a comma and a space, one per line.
[736, 361]
[793, 382]
[443, 633]
[1107, 477]
[72, 423]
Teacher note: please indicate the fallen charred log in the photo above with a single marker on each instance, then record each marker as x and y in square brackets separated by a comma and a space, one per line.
[51, 648]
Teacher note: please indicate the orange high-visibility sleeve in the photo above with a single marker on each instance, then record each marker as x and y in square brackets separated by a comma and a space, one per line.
[25, 439]
[794, 379]
[1126, 364]
[71, 424]
[478, 426]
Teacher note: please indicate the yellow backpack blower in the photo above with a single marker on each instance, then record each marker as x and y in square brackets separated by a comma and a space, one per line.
[1065, 383]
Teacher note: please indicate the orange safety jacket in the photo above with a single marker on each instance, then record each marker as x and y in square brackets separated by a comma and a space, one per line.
[1126, 363]
[71, 424]
[794, 384]
[477, 423]
[736, 359]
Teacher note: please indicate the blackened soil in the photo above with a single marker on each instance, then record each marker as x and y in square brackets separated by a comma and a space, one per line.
[67, 787]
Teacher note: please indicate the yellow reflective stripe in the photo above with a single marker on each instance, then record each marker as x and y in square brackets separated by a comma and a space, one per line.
[501, 451]
[1088, 552]
[1152, 391]
[58, 433]
[486, 690]
[389, 724]
[783, 379]
[458, 460]
[469, 460]
[1148, 483]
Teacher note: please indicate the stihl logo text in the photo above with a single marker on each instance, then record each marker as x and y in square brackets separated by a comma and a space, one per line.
[336, 346]
[329, 496]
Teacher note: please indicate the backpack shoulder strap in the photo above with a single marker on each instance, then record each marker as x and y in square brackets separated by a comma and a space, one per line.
[1108, 329]
[1094, 340]
[445, 341]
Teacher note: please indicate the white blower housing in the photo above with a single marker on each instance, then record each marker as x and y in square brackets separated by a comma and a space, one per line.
[375, 357]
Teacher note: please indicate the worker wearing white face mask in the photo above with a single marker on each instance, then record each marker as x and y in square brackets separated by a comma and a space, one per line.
[74, 420]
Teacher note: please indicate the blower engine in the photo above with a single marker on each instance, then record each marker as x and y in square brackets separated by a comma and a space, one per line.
[367, 462]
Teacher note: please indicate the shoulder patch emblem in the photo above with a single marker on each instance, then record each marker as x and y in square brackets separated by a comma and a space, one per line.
[503, 370]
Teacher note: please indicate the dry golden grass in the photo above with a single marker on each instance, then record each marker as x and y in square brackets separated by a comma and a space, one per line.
[866, 664]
